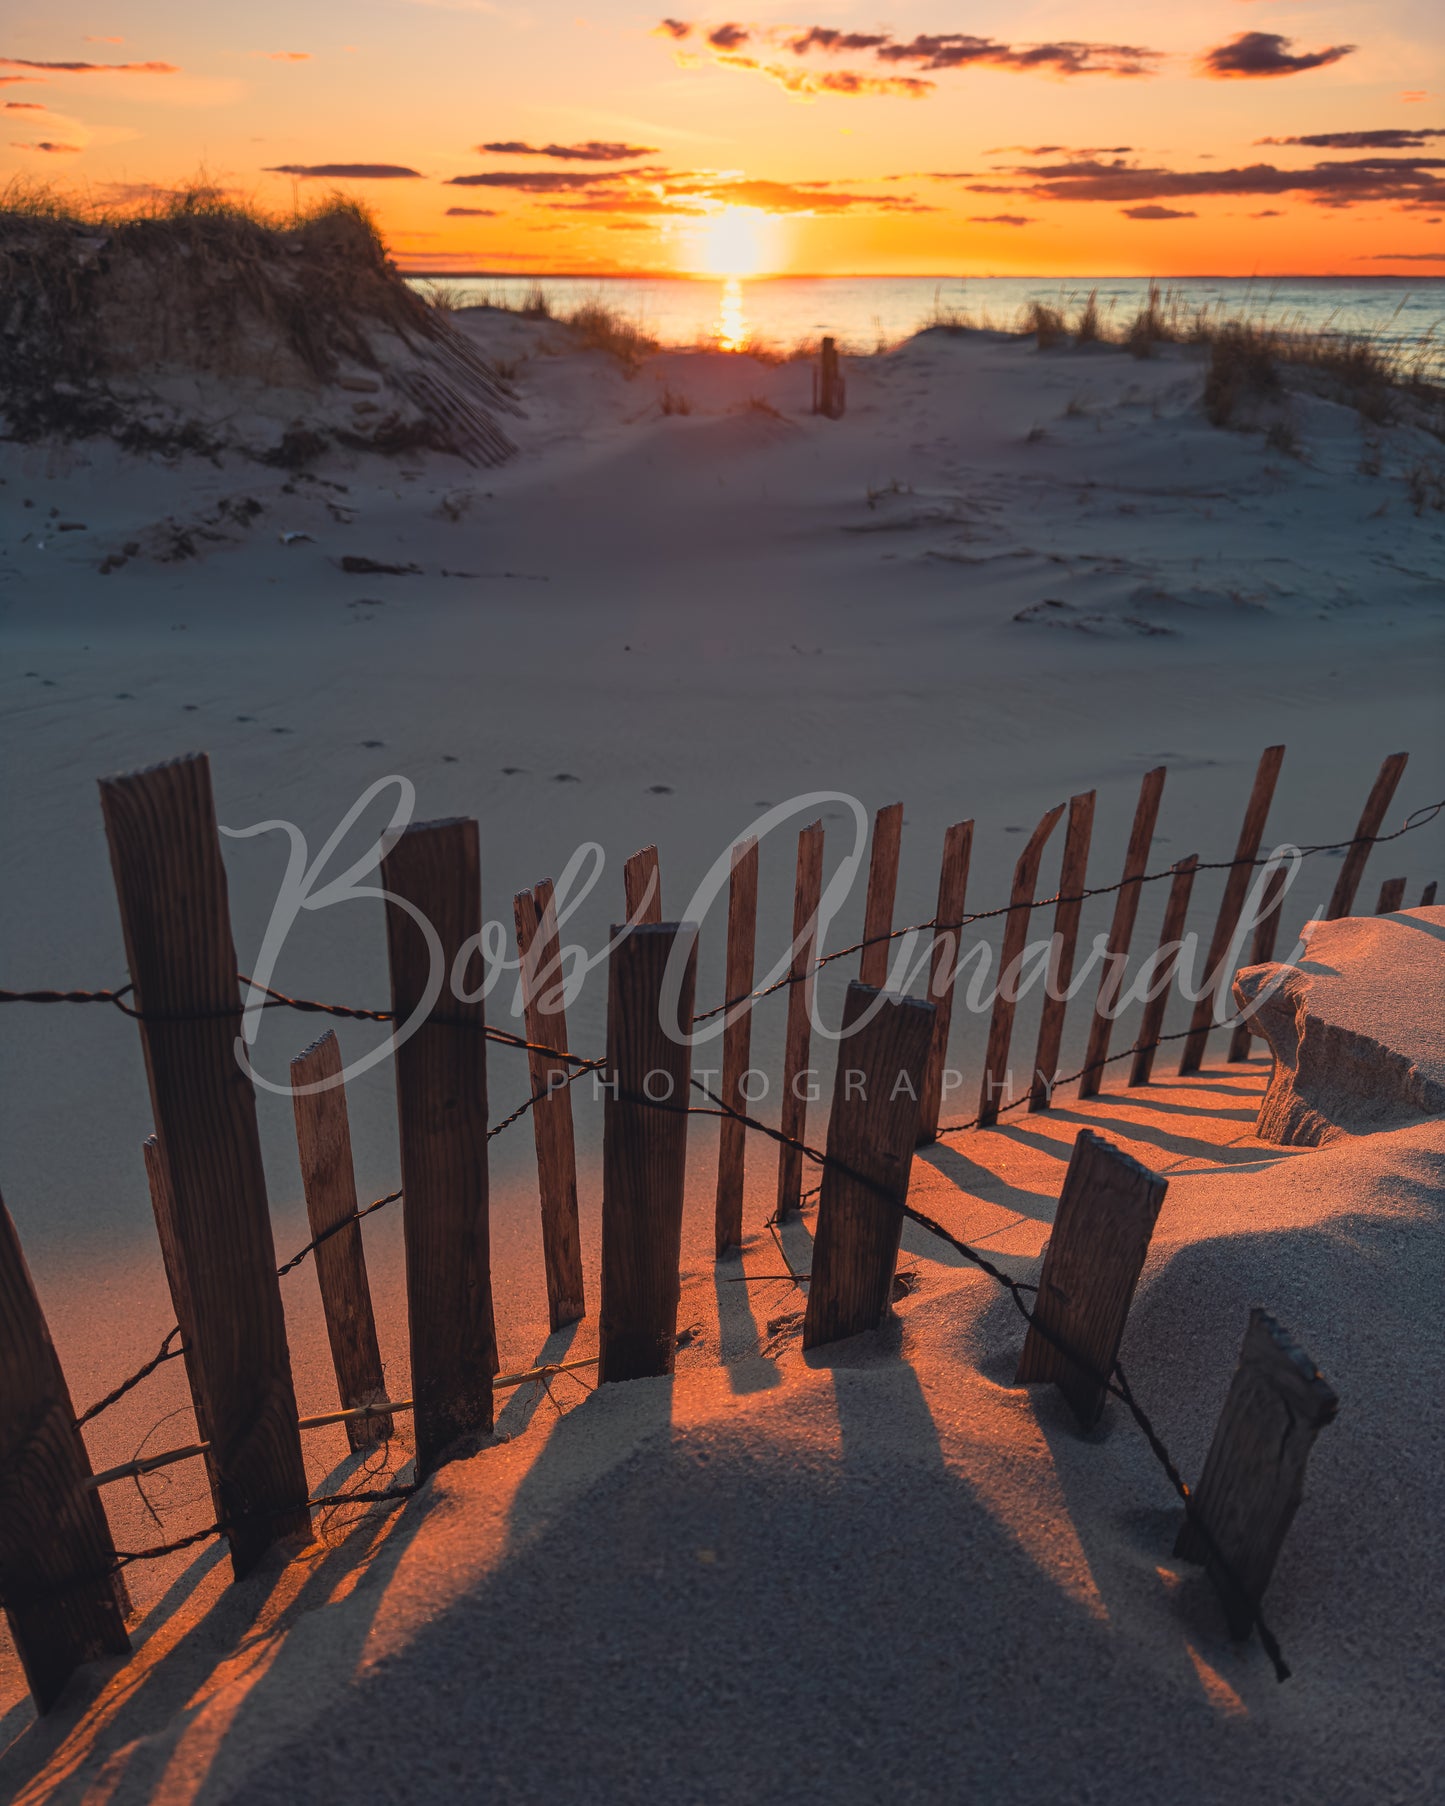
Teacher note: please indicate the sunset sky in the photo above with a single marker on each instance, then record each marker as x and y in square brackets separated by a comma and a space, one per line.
[1233, 137]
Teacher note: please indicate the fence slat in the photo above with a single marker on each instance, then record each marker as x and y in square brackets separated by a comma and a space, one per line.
[1382, 792]
[1253, 1477]
[882, 888]
[642, 886]
[1236, 887]
[171, 886]
[943, 973]
[1121, 929]
[441, 1098]
[535, 914]
[1391, 898]
[163, 1208]
[1015, 934]
[328, 1178]
[737, 1042]
[1261, 952]
[644, 1152]
[1101, 1232]
[872, 1131]
[63, 1604]
[1151, 1023]
[806, 896]
[1073, 876]
[1427, 896]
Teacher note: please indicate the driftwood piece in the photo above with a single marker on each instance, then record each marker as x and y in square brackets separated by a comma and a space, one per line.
[943, 972]
[737, 1042]
[1253, 1478]
[807, 894]
[1171, 934]
[872, 1132]
[1015, 935]
[1382, 791]
[1105, 1218]
[882, 888]
[328, 1178]
[1073, 875]
[1121, 930]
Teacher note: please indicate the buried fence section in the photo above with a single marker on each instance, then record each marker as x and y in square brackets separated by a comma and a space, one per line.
[803, 978]
[553, 1134]
[1121, 930]
[644, 1150]
[1427, 896]
[1253, 1478]
[1382, 792]
[1073, 876]
[1236, 889]
[943, 970]
[1102, 1227]
[1391, 898]
[171, 886]
[737, 1042]
[642, 885]
[433, 916]
[1261, 951]
[1015, 935]
[64, 1603]
[1164, 969]
[328, 1178]
[872, 1132]
[882, 888]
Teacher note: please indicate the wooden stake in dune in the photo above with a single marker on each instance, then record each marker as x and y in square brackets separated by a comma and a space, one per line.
[433, 873]
[642, 886]
[644, 1150]
[1382, 792]
[171, 886]
[328, 1178]
[1073, 875]
[535, 913]
[163, 1207]
[872, 1132]
[882, 888]
[1166, 964]
[943, 971]
[1219, 969]
[64, 1603]
[1391, 898]
[997, 1080]
[1261, 952]
[807, 895]
[830, 391]
[1106, 1215]
[1121, 931]
[737, 1041]
[1427, 896]
[1253, 1479]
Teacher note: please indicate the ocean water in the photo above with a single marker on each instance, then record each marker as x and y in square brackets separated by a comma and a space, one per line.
[863, 312]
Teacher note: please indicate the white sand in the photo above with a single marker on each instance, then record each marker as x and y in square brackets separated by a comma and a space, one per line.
[712, 603]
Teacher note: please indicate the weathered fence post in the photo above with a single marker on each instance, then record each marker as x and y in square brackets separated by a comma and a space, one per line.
[806, 897]
[1236, 885]
[644, 1151]
[1253, 1477]
[328, 1178]
[64, 1603]
[1391, 898]
[830, 393]
[171, 886]
[872, 1132]
[1427, 896]
[1171, 934]
[943, 972]
[433, 917]
[882, 888]
[1261, 951]
[163, 1207]
[535, 914]
[737, 1041]
[642, 886]
[1015, 934]
[1073, 874]
[1382, 792]
[1121, 930]
[1106, 1215]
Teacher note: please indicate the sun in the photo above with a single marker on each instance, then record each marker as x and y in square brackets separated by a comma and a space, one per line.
[736, 242]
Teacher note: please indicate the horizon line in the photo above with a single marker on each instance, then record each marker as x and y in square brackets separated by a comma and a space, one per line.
[915, 276]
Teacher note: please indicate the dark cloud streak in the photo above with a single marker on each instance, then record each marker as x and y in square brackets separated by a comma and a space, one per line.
[1256, 54]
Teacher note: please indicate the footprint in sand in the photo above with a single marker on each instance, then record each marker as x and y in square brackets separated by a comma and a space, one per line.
[565, 777]
[372, 745]
[245, 717]
[659, 789]
[512, 771]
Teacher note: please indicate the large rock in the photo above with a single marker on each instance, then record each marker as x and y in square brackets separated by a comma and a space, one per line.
[1357, 1028]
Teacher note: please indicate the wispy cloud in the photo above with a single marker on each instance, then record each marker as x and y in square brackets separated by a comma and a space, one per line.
[1385, 138]
[472, 213]
[1410, 182]
[288, 56]
[1256, 54]
[25, 62]
[535, 181]
[46, 144]
[1151, 211]
[347, 172]
[595, 150]
[796, 80]
[1000, 219]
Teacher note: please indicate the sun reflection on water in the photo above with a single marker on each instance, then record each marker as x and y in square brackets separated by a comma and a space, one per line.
[732, 325]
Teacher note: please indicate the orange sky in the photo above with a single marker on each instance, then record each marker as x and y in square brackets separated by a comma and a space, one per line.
[1046, 138]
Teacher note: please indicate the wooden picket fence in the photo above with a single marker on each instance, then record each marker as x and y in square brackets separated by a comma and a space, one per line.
[62, 1584]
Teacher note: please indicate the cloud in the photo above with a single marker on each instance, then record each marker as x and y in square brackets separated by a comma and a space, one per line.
[1407, 257]
[830, 81]
[538, 181]
[1387, 138]
[1262, 53]
[728, 37]
[44, 145]
[348, 172]
[25, 62]
[472, 213]
[1000, 219]
[1410, 182]
[595, 150]
[1153, 212]
[673, 28]
[94, 40]
[696, 192]
[288, 56]
[1267, 213]
[26, 106]
[1060, 150]
[926, 50]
